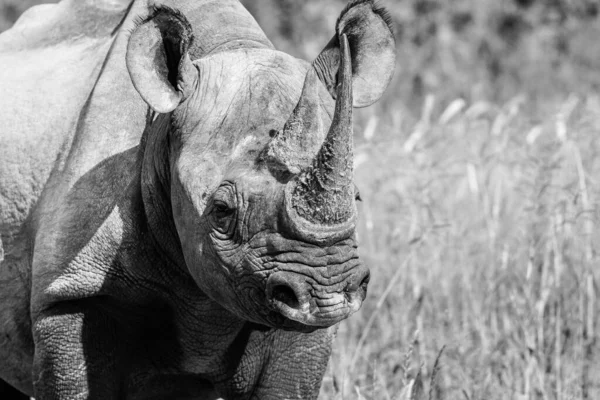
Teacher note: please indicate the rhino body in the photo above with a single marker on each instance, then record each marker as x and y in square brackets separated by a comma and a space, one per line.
[176, 200]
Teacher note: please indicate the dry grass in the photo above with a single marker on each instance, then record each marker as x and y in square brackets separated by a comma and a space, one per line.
[480, 222]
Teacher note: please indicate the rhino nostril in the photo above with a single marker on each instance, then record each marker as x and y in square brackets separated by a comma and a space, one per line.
[365, 280]
[359, 282]
[286, 295]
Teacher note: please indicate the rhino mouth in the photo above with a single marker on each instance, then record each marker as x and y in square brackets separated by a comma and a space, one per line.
[291, 296]
[300, 286]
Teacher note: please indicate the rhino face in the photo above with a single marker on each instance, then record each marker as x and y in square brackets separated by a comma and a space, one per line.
[261, 181]
[268, 272]
[270, 235]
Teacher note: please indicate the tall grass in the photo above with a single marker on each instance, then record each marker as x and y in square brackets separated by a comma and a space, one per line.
[480, 223]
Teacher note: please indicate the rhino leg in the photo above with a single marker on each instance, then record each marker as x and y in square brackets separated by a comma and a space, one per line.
[77, 354]
[7, 392]
[278, 364]
[296, 366]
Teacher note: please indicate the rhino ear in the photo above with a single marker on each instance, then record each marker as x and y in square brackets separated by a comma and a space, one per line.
[158, 60]
[373, 49]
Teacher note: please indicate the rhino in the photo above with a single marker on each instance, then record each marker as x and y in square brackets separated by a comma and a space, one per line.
[177, 203]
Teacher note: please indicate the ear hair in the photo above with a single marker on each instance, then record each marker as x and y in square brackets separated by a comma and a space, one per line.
[169, 12]
[176, 29]
[375, 6]
[157, 58]
[368, 28]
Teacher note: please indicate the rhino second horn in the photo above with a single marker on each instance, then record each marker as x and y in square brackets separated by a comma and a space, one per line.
[324, 194]
[293, 148]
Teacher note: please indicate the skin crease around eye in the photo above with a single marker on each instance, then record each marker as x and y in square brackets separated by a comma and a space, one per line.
[224, 200]
[223, 207]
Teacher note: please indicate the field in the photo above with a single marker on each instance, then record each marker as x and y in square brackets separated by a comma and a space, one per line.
[479, 173]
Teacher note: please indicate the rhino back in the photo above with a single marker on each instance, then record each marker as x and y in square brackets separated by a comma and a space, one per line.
[49, 65]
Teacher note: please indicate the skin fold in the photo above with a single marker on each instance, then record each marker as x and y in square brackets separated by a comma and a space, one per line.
[177, 206]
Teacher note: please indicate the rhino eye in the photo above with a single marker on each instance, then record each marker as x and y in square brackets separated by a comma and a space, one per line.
[222, 210]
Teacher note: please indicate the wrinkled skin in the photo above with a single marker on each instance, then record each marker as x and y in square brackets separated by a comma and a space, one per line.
[158, 238]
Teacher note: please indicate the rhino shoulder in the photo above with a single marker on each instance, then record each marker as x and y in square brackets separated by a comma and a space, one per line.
[46, 25]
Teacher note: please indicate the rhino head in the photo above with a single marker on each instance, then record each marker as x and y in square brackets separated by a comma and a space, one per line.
[248, 171]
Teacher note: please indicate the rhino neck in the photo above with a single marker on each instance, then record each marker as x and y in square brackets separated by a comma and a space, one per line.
[156, 193]
[220, 25]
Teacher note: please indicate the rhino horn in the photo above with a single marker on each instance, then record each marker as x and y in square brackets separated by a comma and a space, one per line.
[294, 147]
[324, 193]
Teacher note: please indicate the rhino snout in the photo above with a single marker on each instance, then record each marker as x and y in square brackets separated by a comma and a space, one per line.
[291, 295]
[289, 292]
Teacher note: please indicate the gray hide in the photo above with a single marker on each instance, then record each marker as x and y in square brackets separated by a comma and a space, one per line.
[177, 212]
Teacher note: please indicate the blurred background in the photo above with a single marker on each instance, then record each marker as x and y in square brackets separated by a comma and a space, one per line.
[479, 173]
